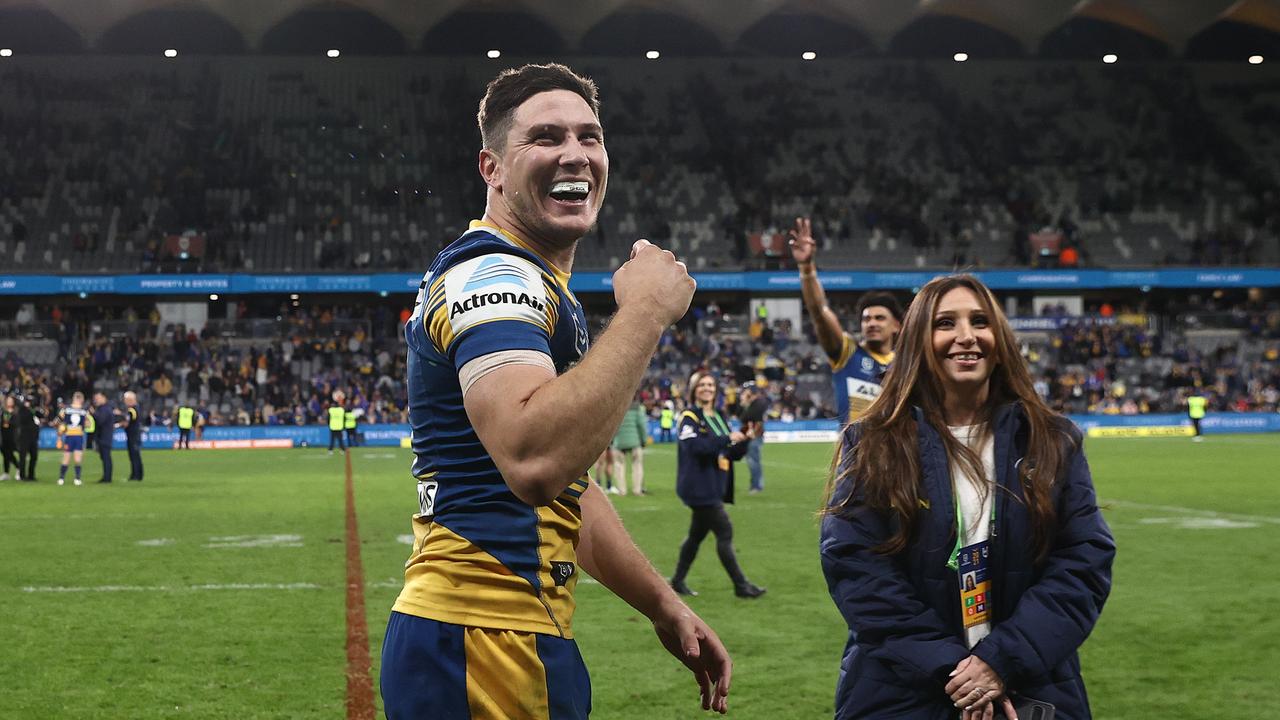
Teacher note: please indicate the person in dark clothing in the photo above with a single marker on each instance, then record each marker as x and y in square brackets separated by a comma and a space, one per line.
[962, 539]
[28, 437]
[704, 482]
[105, 421]
[9, 437]
[132, 421]
[754, 407]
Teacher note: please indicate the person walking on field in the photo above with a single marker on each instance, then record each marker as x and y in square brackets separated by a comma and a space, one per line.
[628, 444]
[1195, 410]
[704, 482]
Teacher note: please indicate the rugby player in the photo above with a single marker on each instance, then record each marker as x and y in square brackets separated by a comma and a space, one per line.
[856, 367]
[71, 430]
[508, 411]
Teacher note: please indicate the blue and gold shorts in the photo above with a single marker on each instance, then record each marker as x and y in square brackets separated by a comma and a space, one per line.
[438, 671]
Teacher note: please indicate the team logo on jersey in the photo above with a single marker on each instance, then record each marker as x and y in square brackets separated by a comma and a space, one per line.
[427, 497]
[867, 364]
[495, 287]
[688, 432]
[493, 271]
[580, 335]
[561, 572]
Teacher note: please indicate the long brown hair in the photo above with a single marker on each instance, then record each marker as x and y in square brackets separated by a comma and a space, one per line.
[692, 388]
[886, 465]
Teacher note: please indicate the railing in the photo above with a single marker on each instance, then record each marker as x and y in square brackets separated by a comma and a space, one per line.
[1212, 321]
[11, 330]
[278, 329]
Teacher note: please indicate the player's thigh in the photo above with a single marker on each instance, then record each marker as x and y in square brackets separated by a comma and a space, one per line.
[438, 670]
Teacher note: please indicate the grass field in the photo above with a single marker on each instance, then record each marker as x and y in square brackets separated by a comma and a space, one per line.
[215, 589]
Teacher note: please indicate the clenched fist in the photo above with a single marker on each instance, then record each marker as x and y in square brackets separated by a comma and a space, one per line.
[655, 281]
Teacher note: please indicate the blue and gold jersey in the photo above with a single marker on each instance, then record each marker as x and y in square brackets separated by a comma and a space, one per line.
[482, 557]
[73, 421]
[856, 375]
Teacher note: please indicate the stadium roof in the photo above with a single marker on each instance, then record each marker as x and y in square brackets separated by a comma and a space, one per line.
[1170, 22]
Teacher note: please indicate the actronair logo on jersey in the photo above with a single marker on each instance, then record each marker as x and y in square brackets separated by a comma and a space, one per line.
[479, 300]
[495, 270]
[495, 287]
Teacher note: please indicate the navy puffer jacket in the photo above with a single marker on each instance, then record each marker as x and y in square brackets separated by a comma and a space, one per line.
[700, 481]
[905, 628]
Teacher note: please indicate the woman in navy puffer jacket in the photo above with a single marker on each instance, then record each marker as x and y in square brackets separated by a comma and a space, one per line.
[704, 482]
[962, 539]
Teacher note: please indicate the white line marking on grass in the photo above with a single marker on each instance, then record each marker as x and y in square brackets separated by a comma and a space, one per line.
[376, 456]
[1199, 523]
[106, 516]
[404, 539]
[156, 542]
[254, 541]
[1192, 511]
[169, 588]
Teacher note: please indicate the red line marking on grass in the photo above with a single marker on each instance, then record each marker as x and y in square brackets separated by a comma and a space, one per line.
[359, 679]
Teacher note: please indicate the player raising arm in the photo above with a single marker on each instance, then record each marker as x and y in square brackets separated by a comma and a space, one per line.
[856, 368]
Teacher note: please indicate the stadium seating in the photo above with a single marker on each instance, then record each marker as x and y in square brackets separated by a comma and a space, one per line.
[291, 164]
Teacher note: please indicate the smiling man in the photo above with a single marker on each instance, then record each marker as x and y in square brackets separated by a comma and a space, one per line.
[508, 411]
[856, 368]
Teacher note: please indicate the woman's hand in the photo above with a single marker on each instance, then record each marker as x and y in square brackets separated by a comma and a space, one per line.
[736, 437]
[974, 687]
[988, 711]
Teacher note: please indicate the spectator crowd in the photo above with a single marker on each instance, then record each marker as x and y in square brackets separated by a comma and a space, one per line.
[284, 369]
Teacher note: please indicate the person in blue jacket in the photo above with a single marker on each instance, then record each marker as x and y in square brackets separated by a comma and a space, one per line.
[962, 539]
[704, 482]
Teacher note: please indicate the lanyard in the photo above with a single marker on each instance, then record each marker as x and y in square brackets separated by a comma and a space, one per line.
[716, 423]
[954, 561]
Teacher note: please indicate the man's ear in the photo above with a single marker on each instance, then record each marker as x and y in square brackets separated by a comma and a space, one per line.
[491, 168]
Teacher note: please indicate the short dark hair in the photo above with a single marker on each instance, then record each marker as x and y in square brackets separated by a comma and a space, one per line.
[880, 299]
[513, 86]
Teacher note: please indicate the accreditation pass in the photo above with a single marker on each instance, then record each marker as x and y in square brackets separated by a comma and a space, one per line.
[975, 587]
